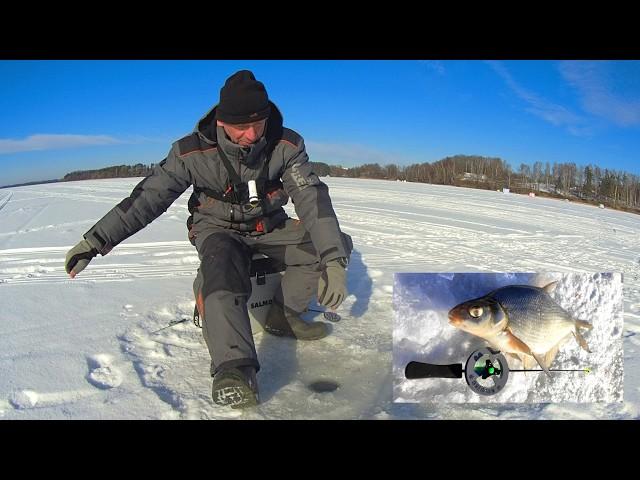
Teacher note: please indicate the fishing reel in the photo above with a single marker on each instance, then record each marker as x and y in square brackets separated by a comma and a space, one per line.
[486, 371]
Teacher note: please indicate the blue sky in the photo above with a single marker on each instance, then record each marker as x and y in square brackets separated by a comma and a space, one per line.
[60, 116]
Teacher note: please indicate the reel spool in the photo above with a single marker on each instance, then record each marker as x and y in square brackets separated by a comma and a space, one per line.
[486, 371]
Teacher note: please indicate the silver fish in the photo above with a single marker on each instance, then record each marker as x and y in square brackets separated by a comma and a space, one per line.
[522, 320]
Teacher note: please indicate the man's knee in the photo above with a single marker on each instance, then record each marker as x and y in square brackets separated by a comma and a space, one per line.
[225, 265]
[305, 254]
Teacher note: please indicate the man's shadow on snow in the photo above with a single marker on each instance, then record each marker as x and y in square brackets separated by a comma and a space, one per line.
[278, 362]
[359, 284]
[278, 358]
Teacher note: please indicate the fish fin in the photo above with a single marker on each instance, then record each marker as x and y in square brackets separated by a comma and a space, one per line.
[581, 341]
[528, 362]
[541, 362]
[583, 324]
[513, 356]
[550, 356]
[515, 344]
[519, 346]
[550, 287]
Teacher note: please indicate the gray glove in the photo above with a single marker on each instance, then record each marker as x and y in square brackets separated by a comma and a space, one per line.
[332, 287]
[79, 257]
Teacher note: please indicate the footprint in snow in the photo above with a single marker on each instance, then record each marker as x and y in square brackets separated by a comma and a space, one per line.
[102, 374]
[23, 399]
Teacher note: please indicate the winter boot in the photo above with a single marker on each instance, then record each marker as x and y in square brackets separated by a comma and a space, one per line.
[236, 387]
[291, 325]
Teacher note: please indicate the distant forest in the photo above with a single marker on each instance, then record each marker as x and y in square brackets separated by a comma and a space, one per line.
[591, 184]
[119, 171]
[140, 170]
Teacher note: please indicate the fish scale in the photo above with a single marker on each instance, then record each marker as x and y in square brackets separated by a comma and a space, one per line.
[533, 316]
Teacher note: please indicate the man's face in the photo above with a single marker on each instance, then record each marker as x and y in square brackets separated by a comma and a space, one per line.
[244, 134]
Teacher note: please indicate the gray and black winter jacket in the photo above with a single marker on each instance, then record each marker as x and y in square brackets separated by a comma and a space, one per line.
[195, 160]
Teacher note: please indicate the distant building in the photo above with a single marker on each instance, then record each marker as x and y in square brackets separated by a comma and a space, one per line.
[472, 176]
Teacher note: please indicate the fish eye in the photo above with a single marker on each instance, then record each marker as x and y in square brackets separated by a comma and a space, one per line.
[475, 312]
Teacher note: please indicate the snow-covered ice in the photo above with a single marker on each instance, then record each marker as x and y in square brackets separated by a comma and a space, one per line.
[84, 348]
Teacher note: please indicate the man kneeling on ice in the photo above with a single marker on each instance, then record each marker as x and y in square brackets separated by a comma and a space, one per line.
[243, 165]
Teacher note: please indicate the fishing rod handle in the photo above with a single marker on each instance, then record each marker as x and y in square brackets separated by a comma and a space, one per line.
[415, 370]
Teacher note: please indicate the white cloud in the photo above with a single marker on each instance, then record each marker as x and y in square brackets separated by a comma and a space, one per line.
[550, 112]
[593, 81]
[54, 142]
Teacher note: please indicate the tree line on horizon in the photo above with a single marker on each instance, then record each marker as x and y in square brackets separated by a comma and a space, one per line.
[141, 170]
[117, 171]
[613, 188]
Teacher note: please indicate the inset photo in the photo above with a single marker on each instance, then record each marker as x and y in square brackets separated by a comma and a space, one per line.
[507, 337]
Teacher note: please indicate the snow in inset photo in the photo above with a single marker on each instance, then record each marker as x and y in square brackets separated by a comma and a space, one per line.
[508, 337]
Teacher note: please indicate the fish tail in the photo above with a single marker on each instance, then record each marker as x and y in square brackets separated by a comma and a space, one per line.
[581, 341]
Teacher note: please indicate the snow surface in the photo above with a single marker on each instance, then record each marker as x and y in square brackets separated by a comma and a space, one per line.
[84, 348]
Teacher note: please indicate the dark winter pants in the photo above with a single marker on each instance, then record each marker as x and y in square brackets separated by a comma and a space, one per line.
[223, 286]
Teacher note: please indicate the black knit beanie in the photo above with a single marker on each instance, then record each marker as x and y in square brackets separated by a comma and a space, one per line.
[243, 99]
